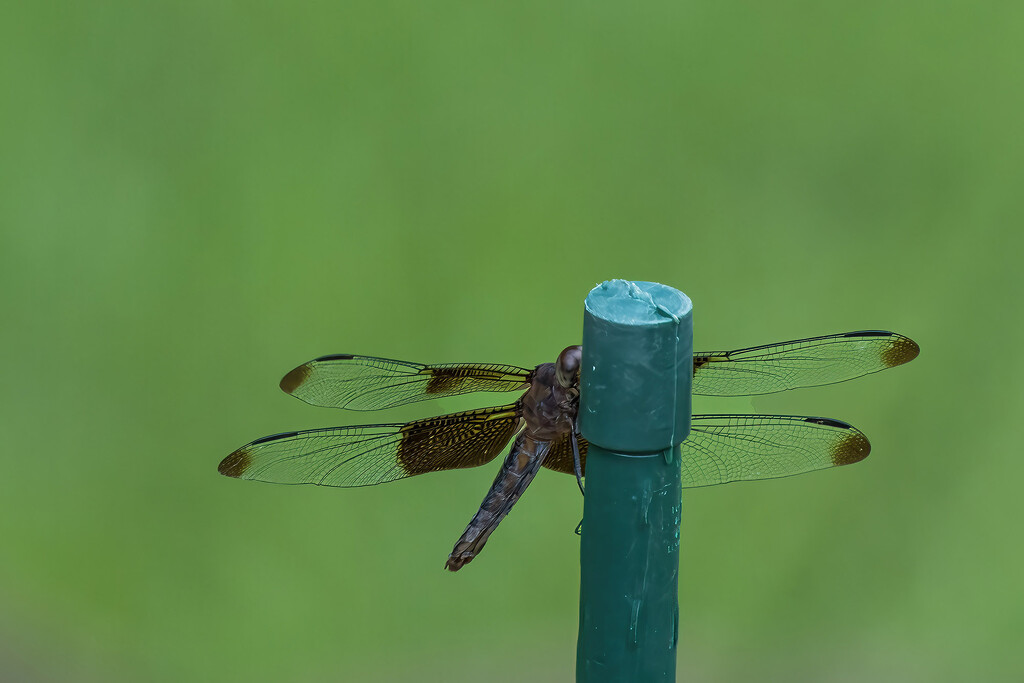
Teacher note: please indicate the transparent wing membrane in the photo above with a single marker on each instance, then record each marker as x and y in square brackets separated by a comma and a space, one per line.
[374, 454]
[725, 448]
[367, 383]
[801, 363]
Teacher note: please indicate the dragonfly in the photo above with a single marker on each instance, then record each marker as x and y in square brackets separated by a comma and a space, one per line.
[541, 424]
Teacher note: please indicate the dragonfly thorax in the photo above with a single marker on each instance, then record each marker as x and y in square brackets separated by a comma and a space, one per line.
[549, 408]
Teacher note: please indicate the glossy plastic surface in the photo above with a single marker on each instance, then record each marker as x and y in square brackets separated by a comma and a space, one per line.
[635, 411]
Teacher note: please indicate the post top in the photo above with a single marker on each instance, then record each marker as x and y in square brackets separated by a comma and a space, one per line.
[625, 302]
[637, 367]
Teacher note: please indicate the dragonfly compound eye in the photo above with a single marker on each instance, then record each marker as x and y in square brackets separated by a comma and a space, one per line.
[567, 367]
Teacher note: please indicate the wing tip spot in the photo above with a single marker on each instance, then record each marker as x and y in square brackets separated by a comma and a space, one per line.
[235, 464]
[901, 350]
[853, 448]
[294, 379]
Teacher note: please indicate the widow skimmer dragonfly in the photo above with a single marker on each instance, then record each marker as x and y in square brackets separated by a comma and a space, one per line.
[719, 448]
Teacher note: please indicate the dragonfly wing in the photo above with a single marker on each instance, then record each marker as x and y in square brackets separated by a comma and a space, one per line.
[801, 363]
[368, 383]
[374, 454]
[560, 457]
[724, 448]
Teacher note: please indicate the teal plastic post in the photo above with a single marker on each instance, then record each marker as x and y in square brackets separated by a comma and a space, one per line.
[635, 382]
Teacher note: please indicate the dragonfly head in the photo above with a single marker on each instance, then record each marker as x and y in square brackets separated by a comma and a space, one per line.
[567, 367]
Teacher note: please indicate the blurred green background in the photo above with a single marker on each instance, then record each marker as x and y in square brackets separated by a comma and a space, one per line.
[198, 196]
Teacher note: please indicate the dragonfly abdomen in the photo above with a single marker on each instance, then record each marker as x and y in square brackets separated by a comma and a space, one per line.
[520, 467]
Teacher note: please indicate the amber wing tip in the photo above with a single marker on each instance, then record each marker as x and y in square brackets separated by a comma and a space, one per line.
[294, 379]
[853, 448]
[235, 464]
[901, 350]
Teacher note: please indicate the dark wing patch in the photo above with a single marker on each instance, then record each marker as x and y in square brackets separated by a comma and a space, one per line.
[560, 458]
[724, 448]
[801, 363]
[368, 383]
[374, 454]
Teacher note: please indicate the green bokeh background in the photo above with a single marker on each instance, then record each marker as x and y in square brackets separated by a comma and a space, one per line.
[197, 196]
